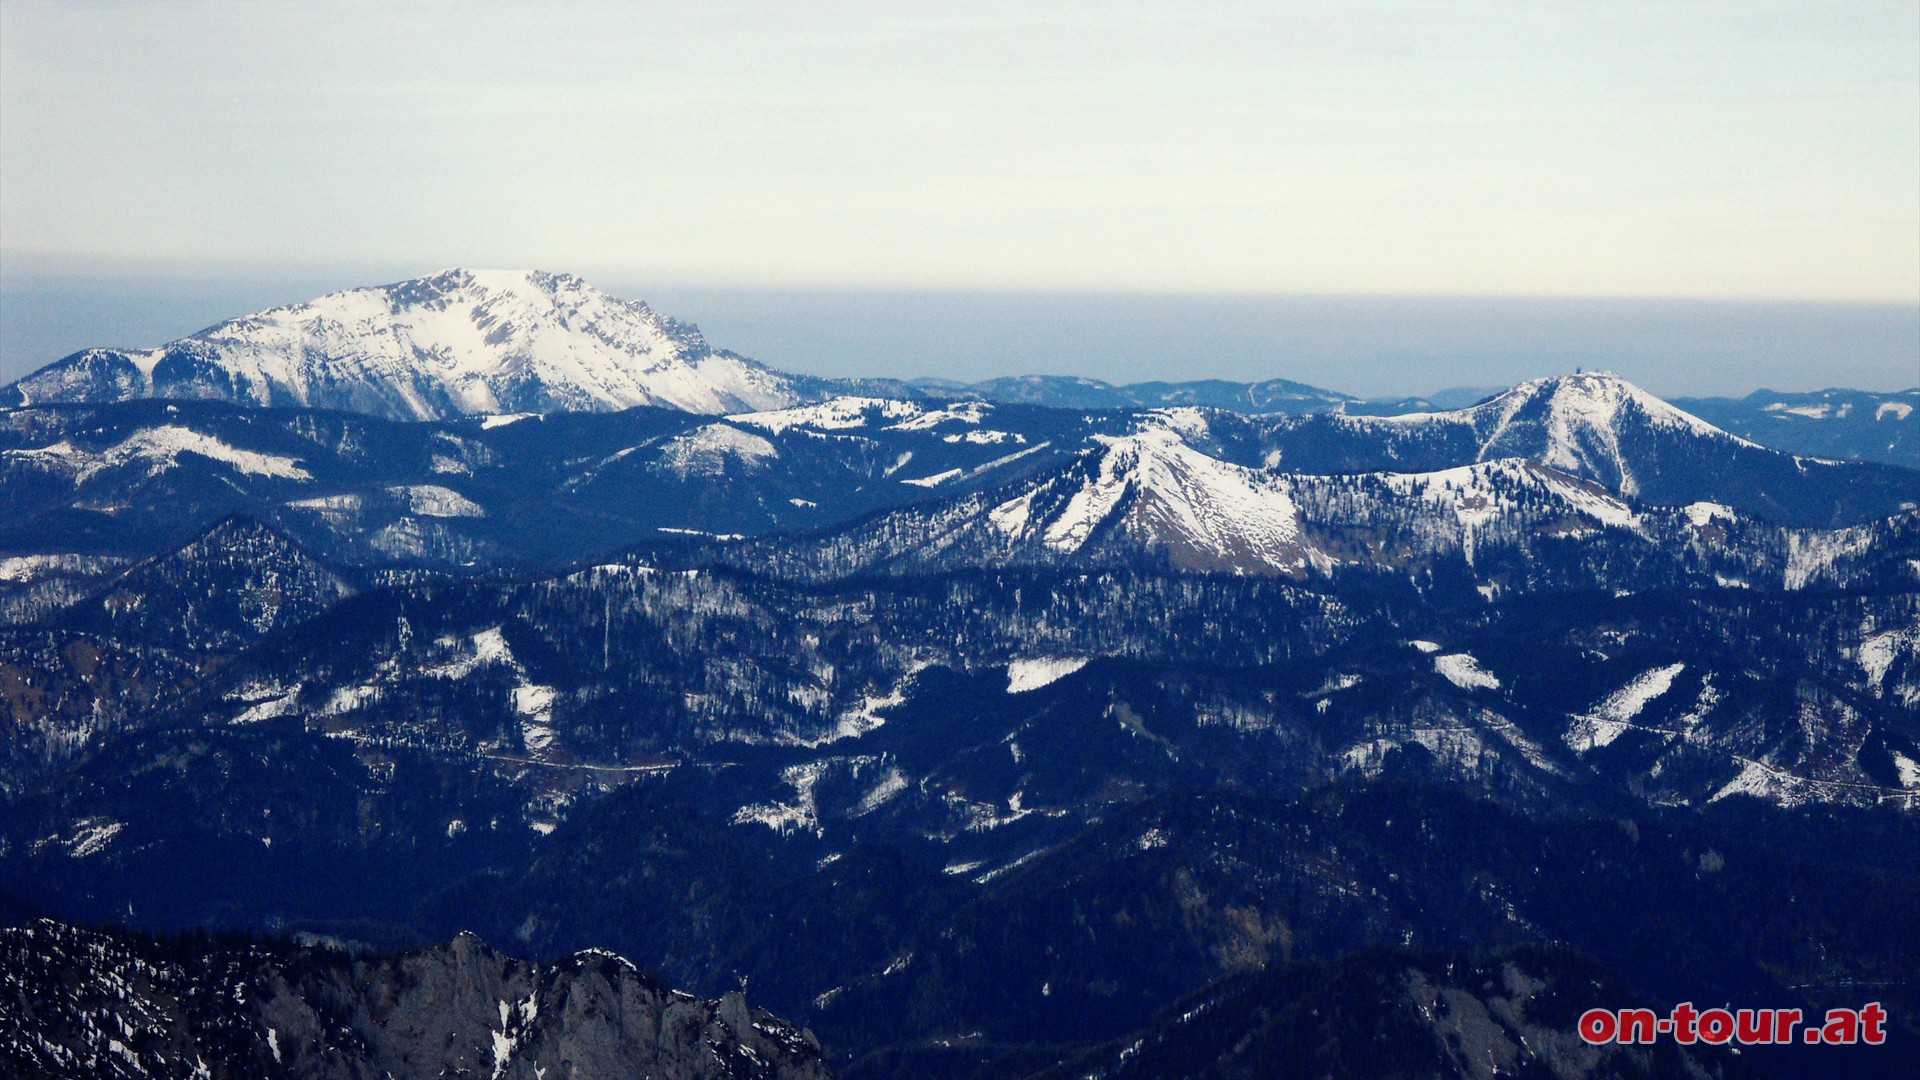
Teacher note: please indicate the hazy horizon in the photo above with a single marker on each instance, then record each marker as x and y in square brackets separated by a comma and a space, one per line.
[1370, 346]
[1377, 197]
[1767, 150]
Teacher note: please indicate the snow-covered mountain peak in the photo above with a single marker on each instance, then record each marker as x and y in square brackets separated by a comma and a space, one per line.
[1152, 491]
[460, 341]
[468, 321]
[1594, 400]
[1206, 513]
[1592, 424]
[1589, 421]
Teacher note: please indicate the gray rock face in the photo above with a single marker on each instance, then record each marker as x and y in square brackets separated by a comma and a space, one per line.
[77, 1003]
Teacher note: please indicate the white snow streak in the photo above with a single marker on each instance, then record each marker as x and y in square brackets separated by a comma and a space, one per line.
[1032, 674]
[1465, 672]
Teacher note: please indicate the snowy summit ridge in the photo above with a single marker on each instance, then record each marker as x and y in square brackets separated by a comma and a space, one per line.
[1595, 425]
[1161, 492]
[455, 343]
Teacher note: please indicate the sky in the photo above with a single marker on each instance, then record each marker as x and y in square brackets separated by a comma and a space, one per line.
[1034, 164]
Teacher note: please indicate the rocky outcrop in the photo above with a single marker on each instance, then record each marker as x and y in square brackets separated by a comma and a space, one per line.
[81, 1003]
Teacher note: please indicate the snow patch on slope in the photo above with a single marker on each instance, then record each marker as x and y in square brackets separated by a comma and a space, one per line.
[1907, 769]
[1474, 492]
[1613, 715]
[972, 413]
[432, 500]
[801, 814]
[1877, 655]
[160, 449]
[1465, 672]
[935, 480]
[91, 836]
[1032, 674]
[839, 414]
[1813, 555]
[1702, 514]
[707, 451]
[29, 568]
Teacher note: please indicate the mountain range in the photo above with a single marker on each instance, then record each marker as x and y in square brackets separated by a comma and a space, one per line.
[488, 342]
[976, 733]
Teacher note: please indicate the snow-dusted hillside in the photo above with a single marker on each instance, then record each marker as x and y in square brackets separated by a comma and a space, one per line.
[1162, 494]
[1600, 427]
[1586, 424]
[1859, 425]
[458, 342]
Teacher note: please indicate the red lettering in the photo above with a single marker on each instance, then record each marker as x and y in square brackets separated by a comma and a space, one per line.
[1843, 1026]
[1716, 1026]
[1637, 1026]
[1741, 1027]
[1873, 1021]
[1598, 1026]
[1683, 1018]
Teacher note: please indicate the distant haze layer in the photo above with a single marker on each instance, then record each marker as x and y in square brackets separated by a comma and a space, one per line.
[1759, 150]
[1373, 346]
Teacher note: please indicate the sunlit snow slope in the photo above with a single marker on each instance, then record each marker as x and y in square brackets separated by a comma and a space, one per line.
[458, 342]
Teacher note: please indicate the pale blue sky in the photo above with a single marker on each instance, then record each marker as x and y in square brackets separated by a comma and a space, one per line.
[1688, 148]
[1757, 150]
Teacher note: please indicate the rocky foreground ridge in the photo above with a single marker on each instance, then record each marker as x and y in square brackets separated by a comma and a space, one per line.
[81, 1003]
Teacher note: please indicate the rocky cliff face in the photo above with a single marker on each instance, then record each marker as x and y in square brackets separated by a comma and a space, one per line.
[76, 1003]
